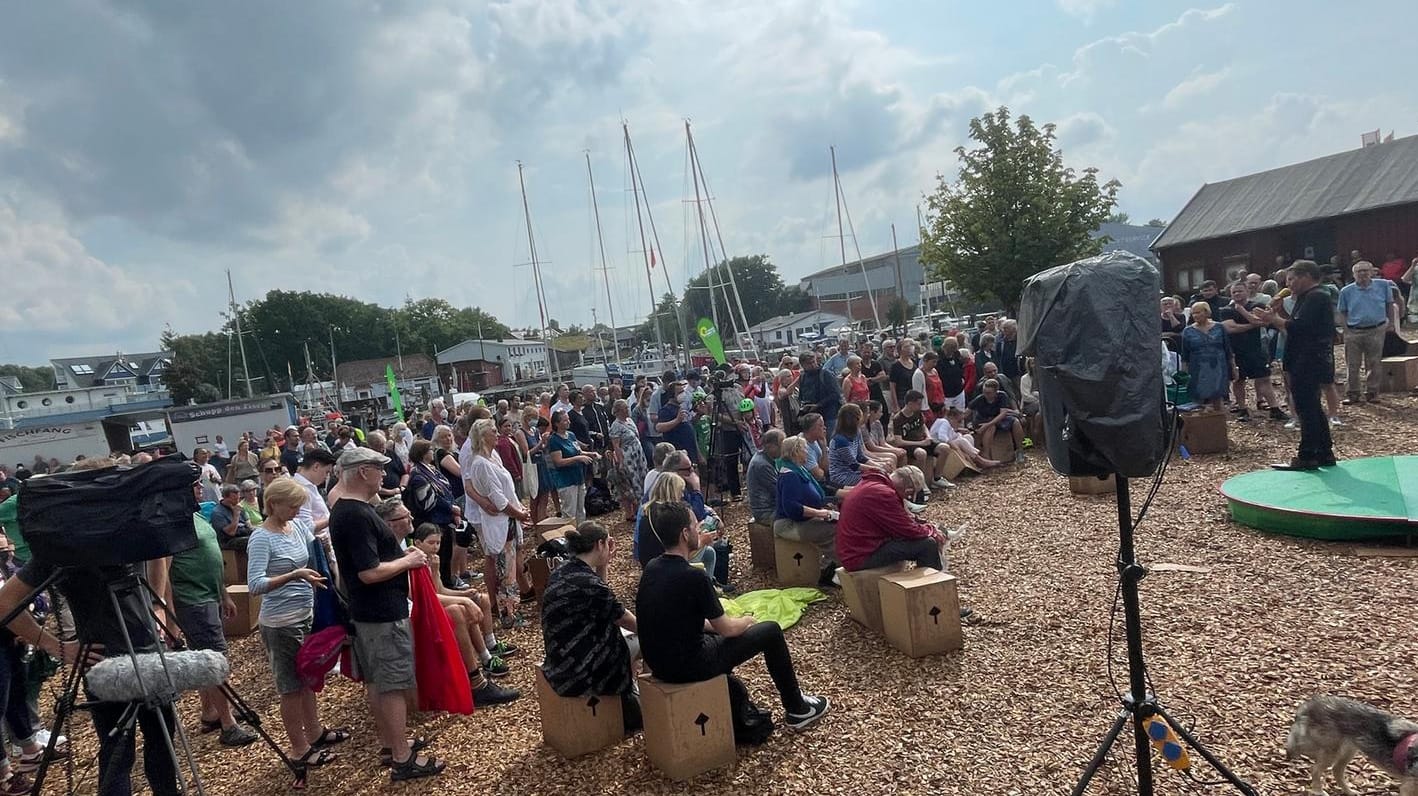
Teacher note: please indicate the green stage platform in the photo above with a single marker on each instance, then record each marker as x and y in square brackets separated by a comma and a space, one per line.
[1359, 499]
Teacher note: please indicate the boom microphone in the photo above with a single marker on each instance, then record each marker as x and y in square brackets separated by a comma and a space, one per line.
[116, 679]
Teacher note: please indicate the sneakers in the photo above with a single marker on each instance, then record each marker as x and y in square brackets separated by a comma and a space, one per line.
[816, 708]
[914, 508]
[490, 693]
[1335, 422]
[1276, 413]
[941, 483]
[237, 735]
[503, 650]
[1243, 414]
[496, 667]
[1291, 424]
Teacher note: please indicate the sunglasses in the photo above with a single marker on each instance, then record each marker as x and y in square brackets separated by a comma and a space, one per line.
[270, 469]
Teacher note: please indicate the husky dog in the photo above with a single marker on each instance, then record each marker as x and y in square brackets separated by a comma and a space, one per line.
[1330, 730]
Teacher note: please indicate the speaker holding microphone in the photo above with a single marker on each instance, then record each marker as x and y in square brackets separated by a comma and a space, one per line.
[1091, 327]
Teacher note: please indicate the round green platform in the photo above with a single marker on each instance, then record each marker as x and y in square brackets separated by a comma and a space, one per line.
[1360, 499]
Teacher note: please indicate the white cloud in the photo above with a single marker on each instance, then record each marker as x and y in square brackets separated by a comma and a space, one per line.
[1084, 8]
[1197, 85]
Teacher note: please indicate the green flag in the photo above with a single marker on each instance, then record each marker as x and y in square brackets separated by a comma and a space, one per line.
[395, 400]
[710, 335]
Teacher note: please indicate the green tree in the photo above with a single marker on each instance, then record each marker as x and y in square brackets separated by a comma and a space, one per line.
[199, 364]
[759, 286]
[898, 313]
[1014, 210]
[665, 317]
[31, 379]
[1118, 218]
[1157, 222]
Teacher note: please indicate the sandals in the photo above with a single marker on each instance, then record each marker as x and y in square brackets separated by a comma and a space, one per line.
[315, 757]
[413, 769]
[329, 736]
[416, 745]
[29, 763]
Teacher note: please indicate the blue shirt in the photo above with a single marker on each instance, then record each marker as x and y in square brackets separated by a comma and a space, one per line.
[1366, 306]
[682, 435]
[836, 363]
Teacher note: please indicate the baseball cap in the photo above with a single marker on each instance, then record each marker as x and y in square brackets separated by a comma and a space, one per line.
[356, 457]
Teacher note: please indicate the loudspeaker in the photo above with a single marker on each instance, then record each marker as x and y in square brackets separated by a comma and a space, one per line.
[1091, 327]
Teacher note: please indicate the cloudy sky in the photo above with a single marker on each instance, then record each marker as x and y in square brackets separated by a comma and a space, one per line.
[369, 148]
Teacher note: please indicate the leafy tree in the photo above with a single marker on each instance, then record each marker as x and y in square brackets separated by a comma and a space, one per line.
[31, 379]
[1118, 218]
[759, 286]
[198, 361]
[665, 317]
[898, 313]
[1157, 222]
[1014, 210]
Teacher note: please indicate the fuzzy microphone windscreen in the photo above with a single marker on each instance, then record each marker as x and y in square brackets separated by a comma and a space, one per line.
[116, 680]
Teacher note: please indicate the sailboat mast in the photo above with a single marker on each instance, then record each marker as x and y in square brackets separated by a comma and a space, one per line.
[536, 272]
[240, 339]
[728, 266]
[644, 247]
[637, 177]
[703, 228]
[896, 253]
[866, 281]
[841, 234]
[605, 272]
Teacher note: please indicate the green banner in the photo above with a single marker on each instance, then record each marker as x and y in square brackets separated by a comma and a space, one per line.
[710, 335]
[396, 401]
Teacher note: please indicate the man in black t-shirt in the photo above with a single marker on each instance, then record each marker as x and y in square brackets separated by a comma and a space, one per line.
[1309, 361]
[374, 570]
[875, 373]
[950, 366]
[908, 431]
[675, 601]
[993, 412]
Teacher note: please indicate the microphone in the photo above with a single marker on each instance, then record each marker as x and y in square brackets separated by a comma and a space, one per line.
[116, 679]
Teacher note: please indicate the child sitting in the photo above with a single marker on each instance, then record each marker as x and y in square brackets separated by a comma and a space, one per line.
[947, 430]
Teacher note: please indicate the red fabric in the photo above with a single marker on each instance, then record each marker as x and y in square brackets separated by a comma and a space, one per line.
[318, 654]
[1393, 270]
[969, 377]
[872, 513]
[858, 389]
[935, 391]
[510, 455]
[442, 678]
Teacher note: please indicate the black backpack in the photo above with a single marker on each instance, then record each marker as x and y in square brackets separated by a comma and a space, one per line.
[752, 725]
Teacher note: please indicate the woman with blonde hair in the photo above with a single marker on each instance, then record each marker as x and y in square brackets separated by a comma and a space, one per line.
[1206, 356]
[278, 569]
[502, 515]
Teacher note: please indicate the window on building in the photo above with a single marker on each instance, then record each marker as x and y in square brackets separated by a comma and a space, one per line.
[778, 335]
[47, 401]
[82, 370]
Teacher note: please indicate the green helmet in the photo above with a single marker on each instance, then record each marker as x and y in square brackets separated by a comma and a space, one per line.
[746, 405]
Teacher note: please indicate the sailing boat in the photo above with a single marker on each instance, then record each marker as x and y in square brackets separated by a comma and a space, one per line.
[605, 273]
[660, 360]
[842, 242]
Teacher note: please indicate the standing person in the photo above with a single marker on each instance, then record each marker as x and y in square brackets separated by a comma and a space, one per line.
[1252, 362]
[537, 432]
[818, 391]
[446, 447]
[290, 450]
[243, 465]
[856, 387]
[502, 518]
[1309, 360]
[567, 462]
[677, 603]
[315, 469]
[277, 569]
[875, 373]
[1206, 357]
[674, 422]
[950, 367]
[376, 576]
[1007, 349]
[209, 478]
[598, 419]
[902, 371]
[926, 381]
[836, 363]
[586, 654]
[627, 474]
[429, 499]
[1367, 310]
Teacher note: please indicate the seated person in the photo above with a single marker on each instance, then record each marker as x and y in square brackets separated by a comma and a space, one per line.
[993, 412]
[670, 489]
[586, 654]
[468, 611]
[763, 478]
[846, 455]
[802, 514]
[684, 634]
[815, 434]
[992, 372]
[908, 431]
[231, 522]
[1029, 390]
[657, 456]
[874, 438]
[948, 430]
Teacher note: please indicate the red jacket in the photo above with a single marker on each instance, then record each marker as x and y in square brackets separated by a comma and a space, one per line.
[873, 513]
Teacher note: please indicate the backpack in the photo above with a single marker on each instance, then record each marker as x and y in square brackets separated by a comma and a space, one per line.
[752, 725]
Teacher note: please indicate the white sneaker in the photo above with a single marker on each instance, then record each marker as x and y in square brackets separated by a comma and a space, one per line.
[1336, 422]
[1291, 424]
[914, 508]
[941, 483]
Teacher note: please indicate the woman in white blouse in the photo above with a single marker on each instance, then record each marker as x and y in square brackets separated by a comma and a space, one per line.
[500, 535]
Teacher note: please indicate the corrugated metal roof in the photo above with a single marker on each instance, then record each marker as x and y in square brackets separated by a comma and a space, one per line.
[1349, 182]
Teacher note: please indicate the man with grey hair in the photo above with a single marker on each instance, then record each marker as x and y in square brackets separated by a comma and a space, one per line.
[763, 478]
[836, 363]
[376, 578]
[598, 420]
[230, 521]
[1367, 310]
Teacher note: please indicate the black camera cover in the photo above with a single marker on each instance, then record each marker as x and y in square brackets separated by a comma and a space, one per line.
[110, 516]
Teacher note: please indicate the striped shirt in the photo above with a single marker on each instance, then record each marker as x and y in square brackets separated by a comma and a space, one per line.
[270, 554]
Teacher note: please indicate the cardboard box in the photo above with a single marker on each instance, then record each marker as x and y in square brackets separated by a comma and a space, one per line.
[798, 563]
[248, 611]
[575, 726]
[920, 612]
[688, 727]
[760, 547]
[540, 571]
[234, 567]
[956, 464]
[1204, 431]
[553, 522]
[557, 532]
[1092, 485]
[863, 595]
[1400, 373]
[1412, 350]
[1001, 448]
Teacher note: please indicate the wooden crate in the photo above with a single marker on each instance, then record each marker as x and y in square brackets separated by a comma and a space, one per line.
[1400, 373]
[248, 611]
[575, 726]
[688, 726]
[862, 593]
[920, 612]
[798, 563]
[761, 549]
[1092, 485]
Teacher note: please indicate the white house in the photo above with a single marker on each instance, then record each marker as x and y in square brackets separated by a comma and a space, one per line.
[478, 365]
[785, 330]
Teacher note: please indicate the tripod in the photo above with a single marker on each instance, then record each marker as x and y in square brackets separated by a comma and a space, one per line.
[1139, 704]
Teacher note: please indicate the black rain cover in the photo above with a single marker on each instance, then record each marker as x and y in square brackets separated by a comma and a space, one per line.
[1092, 328]
[117, 515]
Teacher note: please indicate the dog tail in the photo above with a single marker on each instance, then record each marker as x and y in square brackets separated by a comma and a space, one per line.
[1296, 737]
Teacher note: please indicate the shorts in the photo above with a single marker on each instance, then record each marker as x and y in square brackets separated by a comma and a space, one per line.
[202, 626]
[932, 448]
[282, 644]
[1005, 423]
[384, 652]
[957, 401]
[463, 537]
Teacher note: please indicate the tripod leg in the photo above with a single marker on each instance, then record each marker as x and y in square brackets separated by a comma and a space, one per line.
[245, 713]
[1206, 755]
[63, 707]
[1102, 753]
